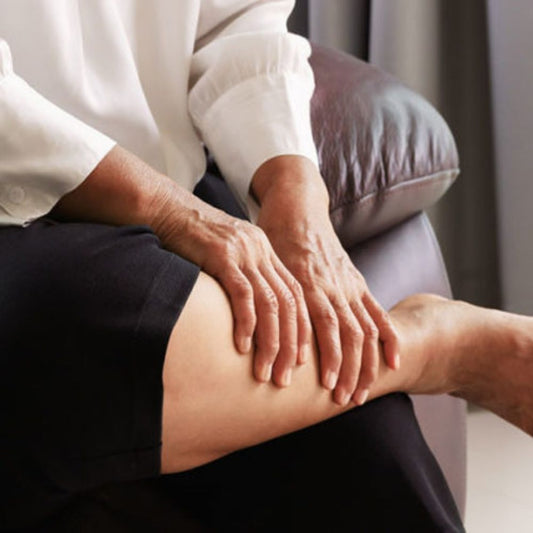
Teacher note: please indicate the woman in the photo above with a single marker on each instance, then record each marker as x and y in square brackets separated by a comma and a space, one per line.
[103, 294]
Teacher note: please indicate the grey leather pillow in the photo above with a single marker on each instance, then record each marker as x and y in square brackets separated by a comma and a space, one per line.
[385, 153]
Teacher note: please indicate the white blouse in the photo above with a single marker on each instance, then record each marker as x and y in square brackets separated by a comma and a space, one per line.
[160, 77]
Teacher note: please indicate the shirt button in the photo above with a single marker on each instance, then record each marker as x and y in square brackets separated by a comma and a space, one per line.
[16, 195]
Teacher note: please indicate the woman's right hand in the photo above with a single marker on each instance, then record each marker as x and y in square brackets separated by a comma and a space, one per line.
[267, 302]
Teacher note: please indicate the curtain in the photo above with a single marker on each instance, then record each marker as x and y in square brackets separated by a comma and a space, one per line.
[511, 43]
[439, 48]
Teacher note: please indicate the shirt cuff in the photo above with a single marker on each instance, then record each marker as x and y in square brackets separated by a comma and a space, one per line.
[258, 119]
[44, 152]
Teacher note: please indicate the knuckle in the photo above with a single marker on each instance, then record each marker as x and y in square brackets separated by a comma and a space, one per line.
[357, 275]
[386, 322]
[385, 318]
[246, 324]
[267, 350]
[245, 321]
[241, 226]
[336, 298]
[295, 287]
[348, 376]
[246, 316]
[271, 351]
[241, 289]
[288, 299]
[259, 236]
[286, 356]
[366, 379]
[369, 372]
[255, 231]
[270, 300]
[225, 250]
[370, 330]
[390, 331]
[230, 275]
[327, 317]
[235, 231]
[347, 383]
[354, 334]
[302, 273]
[241, 238]
[332, 360]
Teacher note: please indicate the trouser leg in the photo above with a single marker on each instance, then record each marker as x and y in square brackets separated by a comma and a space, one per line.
[366, 470]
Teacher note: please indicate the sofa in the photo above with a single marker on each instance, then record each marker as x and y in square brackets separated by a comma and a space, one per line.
[386, 155]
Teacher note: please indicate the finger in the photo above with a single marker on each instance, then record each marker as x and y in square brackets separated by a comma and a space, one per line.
[326, 327]
[370, 356]
[288, 328]
[352, 339]
[241, 296]
[304, 328]
[267, 327]
[387, 332]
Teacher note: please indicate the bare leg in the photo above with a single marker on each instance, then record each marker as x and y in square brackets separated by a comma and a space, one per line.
[213, 406]
[482, 355]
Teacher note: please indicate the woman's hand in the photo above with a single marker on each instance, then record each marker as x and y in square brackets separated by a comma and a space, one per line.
[266, 300]
[347, 320]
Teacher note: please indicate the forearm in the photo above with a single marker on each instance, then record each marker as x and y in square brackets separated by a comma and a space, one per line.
[123, 189]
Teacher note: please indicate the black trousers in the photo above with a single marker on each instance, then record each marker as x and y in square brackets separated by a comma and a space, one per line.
[368, 470]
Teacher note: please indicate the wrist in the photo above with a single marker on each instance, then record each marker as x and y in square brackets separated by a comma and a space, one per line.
[291, 194]
[175, 215]
[284, 174]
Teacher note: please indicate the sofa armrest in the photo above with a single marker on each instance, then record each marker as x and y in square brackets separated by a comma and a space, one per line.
[385, 153]
[399, 262]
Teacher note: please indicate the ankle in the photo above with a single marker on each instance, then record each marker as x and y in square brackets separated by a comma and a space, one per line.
[432, 339]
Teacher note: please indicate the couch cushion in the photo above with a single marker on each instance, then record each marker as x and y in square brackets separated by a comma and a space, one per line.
[385, 153]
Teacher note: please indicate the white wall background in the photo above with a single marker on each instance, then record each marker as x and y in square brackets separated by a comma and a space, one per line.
[511, 65]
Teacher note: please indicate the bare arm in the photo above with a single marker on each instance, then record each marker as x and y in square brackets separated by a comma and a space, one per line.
[267, 302]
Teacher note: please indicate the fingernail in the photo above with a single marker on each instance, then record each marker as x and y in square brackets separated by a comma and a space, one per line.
[303, 355]
[343, 398]
[286, 378]
[396, 361]
[361, 396]
[265, 372]
[330, 380]
[245, 345]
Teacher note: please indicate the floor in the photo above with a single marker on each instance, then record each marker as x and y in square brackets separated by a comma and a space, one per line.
[500, 476]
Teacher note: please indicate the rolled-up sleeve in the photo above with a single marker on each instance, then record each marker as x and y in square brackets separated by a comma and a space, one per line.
[44, 151]
[251, 86]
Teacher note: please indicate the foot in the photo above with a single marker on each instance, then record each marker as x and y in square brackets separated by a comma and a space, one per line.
[482, 355]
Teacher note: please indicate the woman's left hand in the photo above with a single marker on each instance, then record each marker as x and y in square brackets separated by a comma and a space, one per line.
[347, 320]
